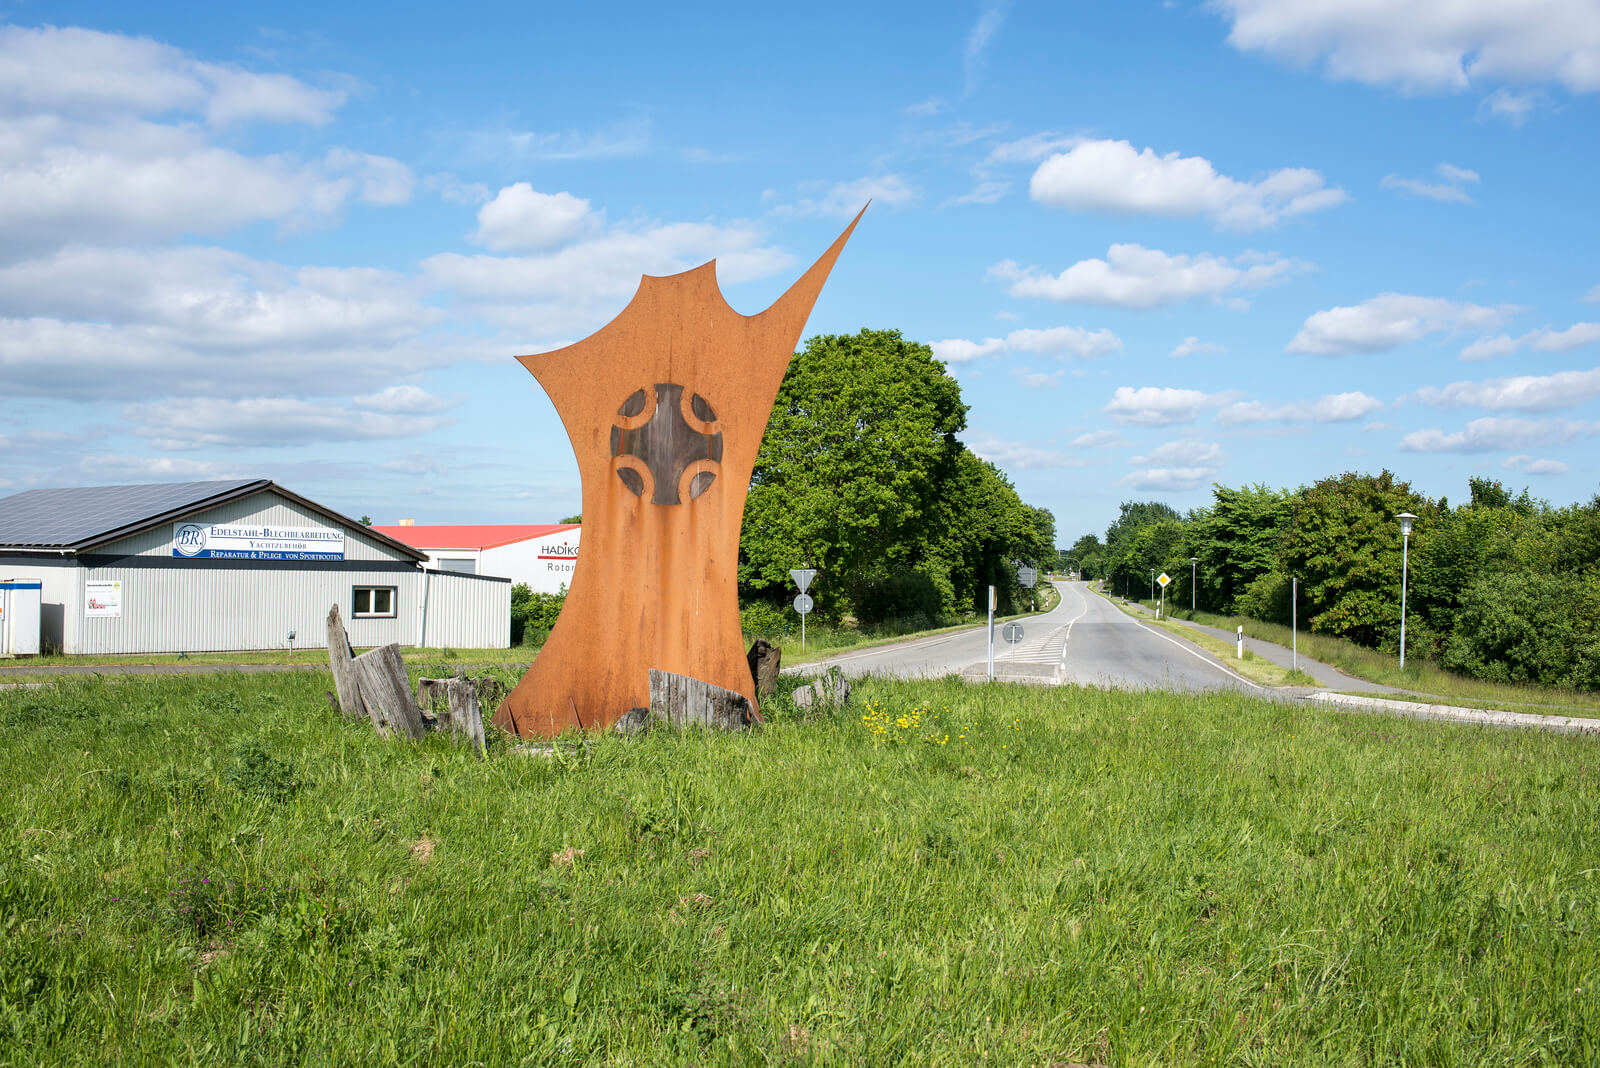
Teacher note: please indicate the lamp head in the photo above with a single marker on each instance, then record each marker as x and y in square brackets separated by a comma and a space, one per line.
[1406, 519]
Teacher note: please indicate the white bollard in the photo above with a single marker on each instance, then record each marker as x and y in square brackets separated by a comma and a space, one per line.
[1241, 643]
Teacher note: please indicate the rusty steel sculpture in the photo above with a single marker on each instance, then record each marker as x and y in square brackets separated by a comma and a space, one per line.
[665, 407]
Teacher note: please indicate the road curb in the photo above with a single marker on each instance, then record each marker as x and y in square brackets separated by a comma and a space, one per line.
[1457, 714]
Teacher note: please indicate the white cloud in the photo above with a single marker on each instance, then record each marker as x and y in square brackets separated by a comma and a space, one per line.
[403, 399]
[1112, 176]
[1449, 190]
[1038, 379]
[1529, 466]
[1193, 346]
[1389, 320]
[1542, 340]
[1058, 341]
[1132, 276]
[1190, 454]
[129, 324]
[96, 146]
[1512, 107]
[1329, 408]
[1593, 296]
[1100, 439]
[1427, 45]
[986, 192]
[1014, 455]
[1168, 478]
[521, 219]
[990, 19]
[1160, 405]
[82, 72]
[576, 288]
[929, 107]
[1522, 393]
[1497, 432]
[1030, 149]
[622, 139]
[190, 423]
[844, 199]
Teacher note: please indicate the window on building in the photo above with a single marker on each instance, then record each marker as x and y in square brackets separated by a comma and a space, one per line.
[372, 602]
[460, 565]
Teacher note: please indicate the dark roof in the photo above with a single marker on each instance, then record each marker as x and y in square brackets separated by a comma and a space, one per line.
[84, 517]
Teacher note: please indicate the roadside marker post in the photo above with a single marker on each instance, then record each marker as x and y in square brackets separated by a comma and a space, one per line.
[1241, 642]
[991, 634]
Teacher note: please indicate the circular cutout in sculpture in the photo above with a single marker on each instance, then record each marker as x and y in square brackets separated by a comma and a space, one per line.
[663, 447]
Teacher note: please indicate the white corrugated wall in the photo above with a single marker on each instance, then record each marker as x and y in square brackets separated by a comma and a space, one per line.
[468, 611]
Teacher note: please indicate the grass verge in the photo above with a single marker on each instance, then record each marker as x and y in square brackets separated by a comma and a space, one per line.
[217, 869]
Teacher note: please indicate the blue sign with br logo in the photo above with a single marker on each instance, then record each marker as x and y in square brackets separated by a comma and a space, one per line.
[220, 541]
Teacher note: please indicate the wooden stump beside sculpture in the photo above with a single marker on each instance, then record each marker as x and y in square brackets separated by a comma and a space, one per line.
[665, 407]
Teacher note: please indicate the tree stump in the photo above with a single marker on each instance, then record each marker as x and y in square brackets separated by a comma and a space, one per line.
[455, 707]
[339, 658]
[386, 691]
[764, 659]
[681, 701]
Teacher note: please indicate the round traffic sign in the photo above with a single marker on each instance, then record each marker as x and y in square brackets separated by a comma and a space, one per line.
[1012, 632]
[804, 604]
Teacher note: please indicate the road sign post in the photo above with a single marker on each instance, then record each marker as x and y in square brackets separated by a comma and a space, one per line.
[803, 604]
[1012, 633]
[1165, 580]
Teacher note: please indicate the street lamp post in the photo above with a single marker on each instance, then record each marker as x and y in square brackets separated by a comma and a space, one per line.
[1152, 584]
[1406, 519]
[1193, 560]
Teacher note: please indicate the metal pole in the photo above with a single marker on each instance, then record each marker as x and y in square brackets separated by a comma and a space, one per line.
[991, 633]
[1192, 562]
[1405, 559]
[802, 633]
[1294, 620]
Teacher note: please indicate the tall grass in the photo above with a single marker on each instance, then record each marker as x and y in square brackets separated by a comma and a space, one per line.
[220, 870]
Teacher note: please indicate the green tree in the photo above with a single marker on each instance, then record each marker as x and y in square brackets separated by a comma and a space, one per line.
[861, 440]
[1237, 540]
[1344, 545]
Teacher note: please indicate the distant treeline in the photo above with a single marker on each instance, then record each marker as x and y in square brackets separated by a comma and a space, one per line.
[1502, 587]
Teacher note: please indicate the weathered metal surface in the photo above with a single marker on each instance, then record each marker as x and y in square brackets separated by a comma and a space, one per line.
[665, 407]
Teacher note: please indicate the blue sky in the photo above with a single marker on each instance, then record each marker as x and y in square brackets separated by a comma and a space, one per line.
[1161, 245]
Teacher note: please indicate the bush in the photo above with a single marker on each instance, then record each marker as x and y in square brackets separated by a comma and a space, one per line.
[1523, 627]
[759, 619]
[534, 614]
[1266, 599]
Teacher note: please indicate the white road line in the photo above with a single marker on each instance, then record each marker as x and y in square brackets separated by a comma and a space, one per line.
[1196, 654]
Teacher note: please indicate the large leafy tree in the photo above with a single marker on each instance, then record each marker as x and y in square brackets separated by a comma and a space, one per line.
[1344, 545]
[1237, 540]
[861, 440]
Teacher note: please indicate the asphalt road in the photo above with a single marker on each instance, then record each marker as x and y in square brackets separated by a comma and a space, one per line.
[1084, 639]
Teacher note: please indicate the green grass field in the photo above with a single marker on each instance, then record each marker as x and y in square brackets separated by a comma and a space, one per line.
[220, 870]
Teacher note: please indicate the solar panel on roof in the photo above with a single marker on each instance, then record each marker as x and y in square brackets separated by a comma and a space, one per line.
[66, 518]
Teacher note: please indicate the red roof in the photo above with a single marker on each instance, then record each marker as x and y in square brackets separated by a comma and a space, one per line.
[478, 536]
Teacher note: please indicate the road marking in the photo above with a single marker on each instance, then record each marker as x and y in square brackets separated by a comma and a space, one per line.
[1197, 654]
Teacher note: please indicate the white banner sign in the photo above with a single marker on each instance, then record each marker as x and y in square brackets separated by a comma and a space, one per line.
[221, 541]
[102, 600]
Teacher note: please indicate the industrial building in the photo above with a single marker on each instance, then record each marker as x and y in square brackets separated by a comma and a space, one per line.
[234, 565]
[543, 556]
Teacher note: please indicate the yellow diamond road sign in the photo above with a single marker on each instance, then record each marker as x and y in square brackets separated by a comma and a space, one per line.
[1164, 579]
